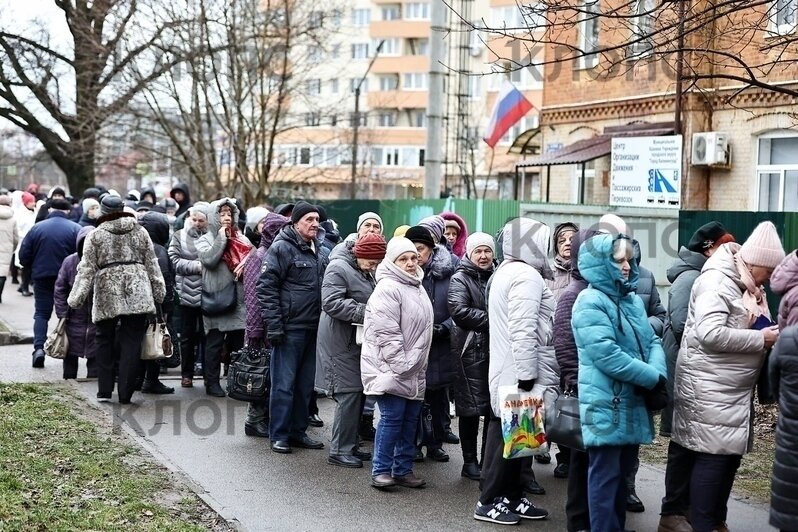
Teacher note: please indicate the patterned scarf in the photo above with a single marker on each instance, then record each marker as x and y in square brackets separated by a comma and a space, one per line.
[754, 297]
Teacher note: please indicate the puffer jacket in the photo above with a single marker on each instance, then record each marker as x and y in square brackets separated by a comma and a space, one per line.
[783, 366]
[157, 226]
[719, 363]
[79, 328]
[562, 266]
[564, 344]
[215, 273]
[521, 311]
[119, 263]
[618, 351]
[784, 282]
[469, 310]
[289, 288]
[47, 244]
[647, 291]
[397, 335]
[272, 225]
[682, 275]
[438, 271]
[188, 268]
[344, 293]
[8, 238]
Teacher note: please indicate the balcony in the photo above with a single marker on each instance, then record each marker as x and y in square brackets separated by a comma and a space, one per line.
[397, 99]
[401, 64]
[409, 29]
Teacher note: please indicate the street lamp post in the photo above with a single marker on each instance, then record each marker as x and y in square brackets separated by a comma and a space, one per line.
[356, 125]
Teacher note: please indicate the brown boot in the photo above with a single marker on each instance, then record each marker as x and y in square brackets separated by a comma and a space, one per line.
[674, 523]
[410, 481]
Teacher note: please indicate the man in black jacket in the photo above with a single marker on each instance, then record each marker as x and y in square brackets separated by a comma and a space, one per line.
[289, 291]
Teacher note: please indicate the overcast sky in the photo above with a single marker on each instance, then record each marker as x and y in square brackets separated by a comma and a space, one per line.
[17, 14]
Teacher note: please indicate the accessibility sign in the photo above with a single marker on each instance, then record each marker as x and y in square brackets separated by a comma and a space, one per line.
[646, 171]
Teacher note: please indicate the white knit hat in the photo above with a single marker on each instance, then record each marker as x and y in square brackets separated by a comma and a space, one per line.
[88, 203]
[368, 216]
[396, 246]
[475, 240]
[763, 248]
[614, 224]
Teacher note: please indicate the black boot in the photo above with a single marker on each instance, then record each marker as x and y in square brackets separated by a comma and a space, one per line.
[471, 469]
[2, 285]
[366, 430]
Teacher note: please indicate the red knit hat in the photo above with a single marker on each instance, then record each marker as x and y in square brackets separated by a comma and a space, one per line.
[371, 246]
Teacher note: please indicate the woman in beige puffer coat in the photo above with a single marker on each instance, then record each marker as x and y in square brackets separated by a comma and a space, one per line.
[719, 362]
[8, 239]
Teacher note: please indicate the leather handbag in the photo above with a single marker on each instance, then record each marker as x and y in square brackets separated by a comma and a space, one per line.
[57, 343]
[248, 378]
[157, 343]
[563, 425]
[219, 302]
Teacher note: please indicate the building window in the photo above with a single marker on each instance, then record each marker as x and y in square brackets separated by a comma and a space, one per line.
[642, 28]
[312, 119]
[334, 86]
[783, 16]
[315, 20]
[528, 122]
[335, 51]
[386, 119]
[589, 34]
[314, 87]
[314, 54]
[389, 83]
[777, 173]
[419, 118]
[333, 120]
[415, 81]
[521, 16]
[390, 12]
[363, 119]
[360, 51]
[390, 47]
[417, 11]
[361, 17]
[353, 85]
[475, 87]
[304, 156]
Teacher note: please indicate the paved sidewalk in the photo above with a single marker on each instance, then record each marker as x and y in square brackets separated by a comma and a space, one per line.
[16, 315]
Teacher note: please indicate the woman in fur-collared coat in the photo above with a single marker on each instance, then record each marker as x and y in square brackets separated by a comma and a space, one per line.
[119, 264]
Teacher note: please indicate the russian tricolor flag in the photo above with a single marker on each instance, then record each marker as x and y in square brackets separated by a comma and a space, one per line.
[511, 106]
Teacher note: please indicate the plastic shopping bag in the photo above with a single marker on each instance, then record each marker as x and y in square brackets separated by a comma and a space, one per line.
[522, 423]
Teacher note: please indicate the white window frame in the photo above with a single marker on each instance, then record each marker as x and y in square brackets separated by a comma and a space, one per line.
[359, 51]
[334, 86]
[415, 115]
[389, 83]
[392, 46]
[313, 87]
[390, 12]
[588, 61]
[417, 11]
[361, 17]
[781, 169]
[518, 17]
[642, 25]
[784, 28]
[392, 156]
[386, 119]
[419, 81]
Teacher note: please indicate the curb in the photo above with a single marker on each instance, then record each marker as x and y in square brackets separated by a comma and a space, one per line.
[11, 336]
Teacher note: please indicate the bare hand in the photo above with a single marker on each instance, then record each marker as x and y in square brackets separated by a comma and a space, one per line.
[771, 334]
[223, 231]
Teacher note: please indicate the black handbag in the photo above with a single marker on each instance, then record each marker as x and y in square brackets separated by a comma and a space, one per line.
[563, 425]
[248, 377]
[219, 302]
[764, 390]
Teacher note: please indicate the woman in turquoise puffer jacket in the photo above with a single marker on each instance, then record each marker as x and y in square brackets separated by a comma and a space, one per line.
[620, 357]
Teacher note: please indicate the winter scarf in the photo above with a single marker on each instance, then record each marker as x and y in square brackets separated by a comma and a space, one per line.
[236, 250]
[753, 297]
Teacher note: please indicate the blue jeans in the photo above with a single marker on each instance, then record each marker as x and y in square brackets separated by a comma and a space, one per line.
[43, 298]
[606, 485]
[395, 442]
[293, 372]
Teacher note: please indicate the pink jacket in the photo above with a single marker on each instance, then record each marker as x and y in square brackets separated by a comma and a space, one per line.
[784, 282]
[397, 335]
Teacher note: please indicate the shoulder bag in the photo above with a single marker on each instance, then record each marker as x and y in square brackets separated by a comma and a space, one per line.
[563, 425]
[157, 342]
[248, 378]
[57, 344]
[219, 302]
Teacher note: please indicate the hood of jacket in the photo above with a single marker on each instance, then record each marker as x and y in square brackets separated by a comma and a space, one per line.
[344, 252]
[330, 232]
[151, 192]
[580, 237]
[559, 260]
[598, 269]
[785, 276]
[157, 226]
[389, 270]
[272, 225]
[527, 240]
[723, 261]
[118, 223]
[213, 214]
[182, 187]
[441, 265]
[685, 262]
[6, 212]
[459, 246]
[81, 238]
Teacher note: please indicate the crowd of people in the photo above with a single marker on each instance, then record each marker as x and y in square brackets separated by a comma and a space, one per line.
[431, 316]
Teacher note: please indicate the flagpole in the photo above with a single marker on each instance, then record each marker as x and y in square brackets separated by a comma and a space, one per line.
[487, 178]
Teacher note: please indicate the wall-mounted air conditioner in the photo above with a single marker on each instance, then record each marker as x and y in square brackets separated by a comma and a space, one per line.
[710, 148]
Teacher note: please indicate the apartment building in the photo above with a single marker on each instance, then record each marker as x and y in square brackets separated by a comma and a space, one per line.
[740, 144]
[315, 158]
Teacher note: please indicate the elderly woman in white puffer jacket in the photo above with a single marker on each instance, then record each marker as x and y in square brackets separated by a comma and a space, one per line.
[397, 337]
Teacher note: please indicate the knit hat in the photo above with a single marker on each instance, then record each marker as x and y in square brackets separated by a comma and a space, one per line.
[479, 239]
[27, 198]
[368, 216]
[284, 209]
[397, 246]
[420, 234]
[611, 223]
[371, 246]
[763, 248]
[88, 203]
[144, 206]
[301, 210]
[134, 195]
[56, 190]
[322, 213]
[200, 207]
[254, 216]
[60, 204]
[436, 225]
[111, 204]
[707, 236]
[452, 224]
[401, 230]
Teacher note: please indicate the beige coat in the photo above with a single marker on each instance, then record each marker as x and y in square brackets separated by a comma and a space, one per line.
[8, 238]
[719, 363]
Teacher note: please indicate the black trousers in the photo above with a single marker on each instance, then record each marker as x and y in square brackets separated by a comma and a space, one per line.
[438, 401]
[469, 432]
[500, 477]
[119, 341]
[677, 480]
[215, 341]
[710, 486]
[192, 336]
[577, 509]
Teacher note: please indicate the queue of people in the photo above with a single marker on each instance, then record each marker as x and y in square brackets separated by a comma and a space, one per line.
[435, 315]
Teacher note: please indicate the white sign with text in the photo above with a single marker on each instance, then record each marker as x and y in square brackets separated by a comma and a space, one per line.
[646, 172]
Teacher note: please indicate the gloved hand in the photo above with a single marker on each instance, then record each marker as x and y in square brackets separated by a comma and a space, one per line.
[439, 332]
[276, 338]
[526, 385]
